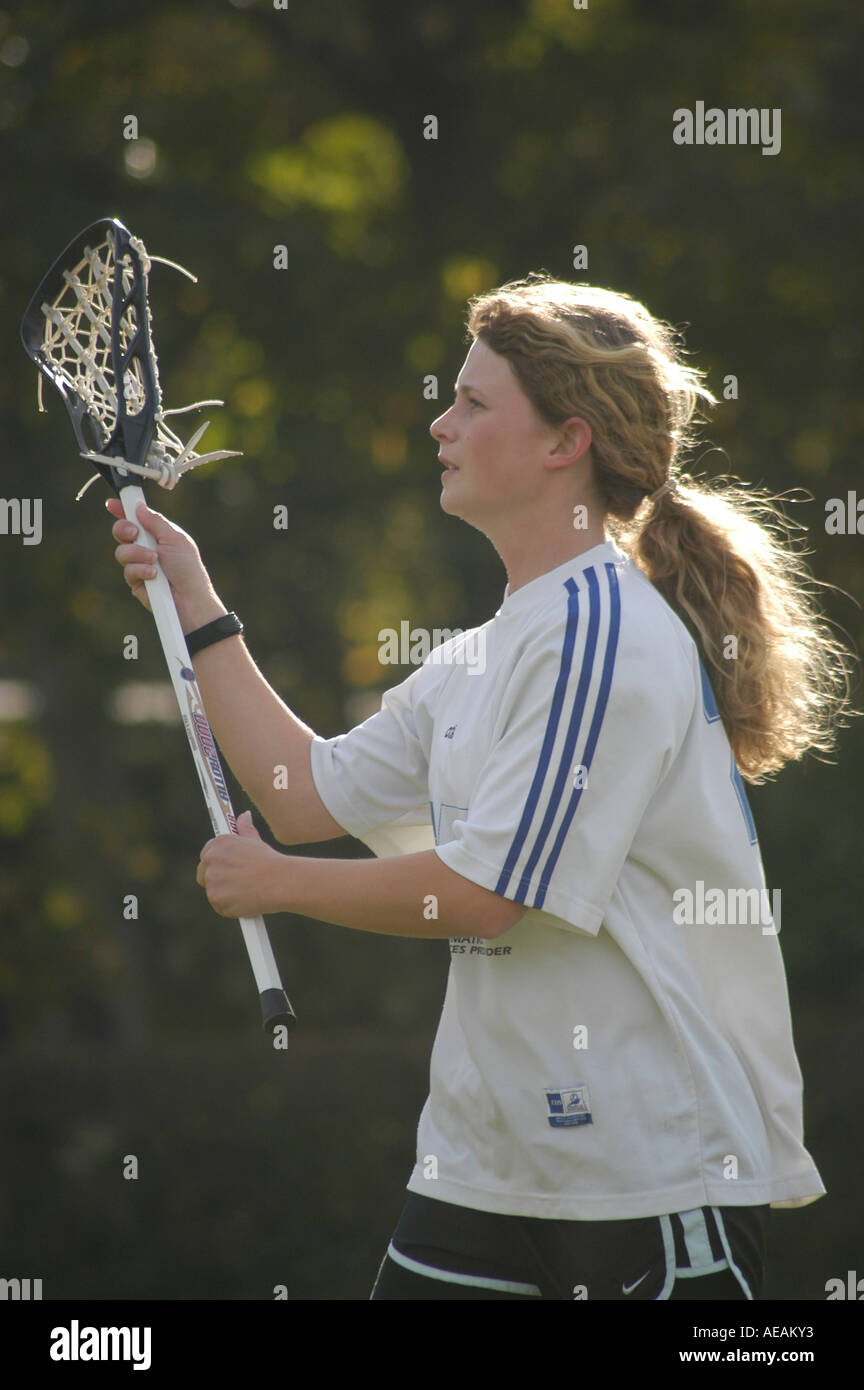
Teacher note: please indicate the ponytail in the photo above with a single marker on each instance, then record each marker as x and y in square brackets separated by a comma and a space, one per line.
[724, 559]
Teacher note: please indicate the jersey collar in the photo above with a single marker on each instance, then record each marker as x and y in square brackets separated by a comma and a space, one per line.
[538, 590]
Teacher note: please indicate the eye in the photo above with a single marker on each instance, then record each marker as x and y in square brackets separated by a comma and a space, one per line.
[472, 402]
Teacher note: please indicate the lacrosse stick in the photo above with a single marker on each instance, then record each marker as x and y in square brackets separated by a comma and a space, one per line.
[88, 329]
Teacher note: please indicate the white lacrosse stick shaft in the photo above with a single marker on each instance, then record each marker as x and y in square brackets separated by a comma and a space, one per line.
[275, 1006]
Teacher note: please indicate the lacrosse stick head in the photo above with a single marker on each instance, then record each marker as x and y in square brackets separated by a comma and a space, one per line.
[88, 330]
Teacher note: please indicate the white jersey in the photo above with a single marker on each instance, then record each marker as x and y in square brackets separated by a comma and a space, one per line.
[625, 1050]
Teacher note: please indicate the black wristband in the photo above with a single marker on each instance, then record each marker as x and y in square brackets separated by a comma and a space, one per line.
[229, 625]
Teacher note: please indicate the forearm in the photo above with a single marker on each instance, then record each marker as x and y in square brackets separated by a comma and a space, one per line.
[266, 746]
[259, 736]
[407, 895]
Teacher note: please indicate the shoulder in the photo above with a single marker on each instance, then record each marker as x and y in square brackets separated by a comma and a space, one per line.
[651, 630]
[606, 624]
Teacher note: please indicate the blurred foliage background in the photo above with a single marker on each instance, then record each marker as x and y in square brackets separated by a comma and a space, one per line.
[303, 127]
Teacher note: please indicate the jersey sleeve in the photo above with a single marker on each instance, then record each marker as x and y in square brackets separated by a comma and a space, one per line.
[374, 780]
[590, 723]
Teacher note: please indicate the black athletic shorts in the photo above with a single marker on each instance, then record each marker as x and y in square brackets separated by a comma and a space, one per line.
[441, 1251]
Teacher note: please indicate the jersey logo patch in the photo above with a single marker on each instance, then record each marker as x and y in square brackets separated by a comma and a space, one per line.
[568, 1105]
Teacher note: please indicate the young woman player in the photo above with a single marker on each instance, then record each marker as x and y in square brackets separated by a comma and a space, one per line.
[615, 1101]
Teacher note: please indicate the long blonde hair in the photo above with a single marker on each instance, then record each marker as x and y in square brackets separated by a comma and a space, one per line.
[720, 553]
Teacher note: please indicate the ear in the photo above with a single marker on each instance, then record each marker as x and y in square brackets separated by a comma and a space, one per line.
[571, 443]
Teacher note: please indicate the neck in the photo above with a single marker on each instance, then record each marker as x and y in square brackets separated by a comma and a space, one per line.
[526, 557]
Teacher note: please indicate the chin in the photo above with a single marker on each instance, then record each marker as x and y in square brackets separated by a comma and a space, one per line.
[449, 503]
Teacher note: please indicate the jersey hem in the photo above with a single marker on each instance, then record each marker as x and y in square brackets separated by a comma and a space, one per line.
[622, 1207]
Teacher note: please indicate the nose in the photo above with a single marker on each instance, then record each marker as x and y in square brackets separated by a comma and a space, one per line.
[437, 428]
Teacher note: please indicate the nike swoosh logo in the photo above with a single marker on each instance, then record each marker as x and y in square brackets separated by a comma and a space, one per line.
[625, 1289]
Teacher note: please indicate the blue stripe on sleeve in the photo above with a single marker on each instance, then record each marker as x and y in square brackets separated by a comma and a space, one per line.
[738, 784]
[709, 704]
[548, 740]
[573, 730]
[594, 732]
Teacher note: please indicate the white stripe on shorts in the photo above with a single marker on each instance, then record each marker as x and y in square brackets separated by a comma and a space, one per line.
[447, 1276]
[718, 1217]
[698, 1245]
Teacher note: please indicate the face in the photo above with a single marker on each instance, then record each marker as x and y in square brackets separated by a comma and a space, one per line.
[494, 442]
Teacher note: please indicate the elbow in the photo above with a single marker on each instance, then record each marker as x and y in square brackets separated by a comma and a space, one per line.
[308, 831]
[504, 915]
[281, 832]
